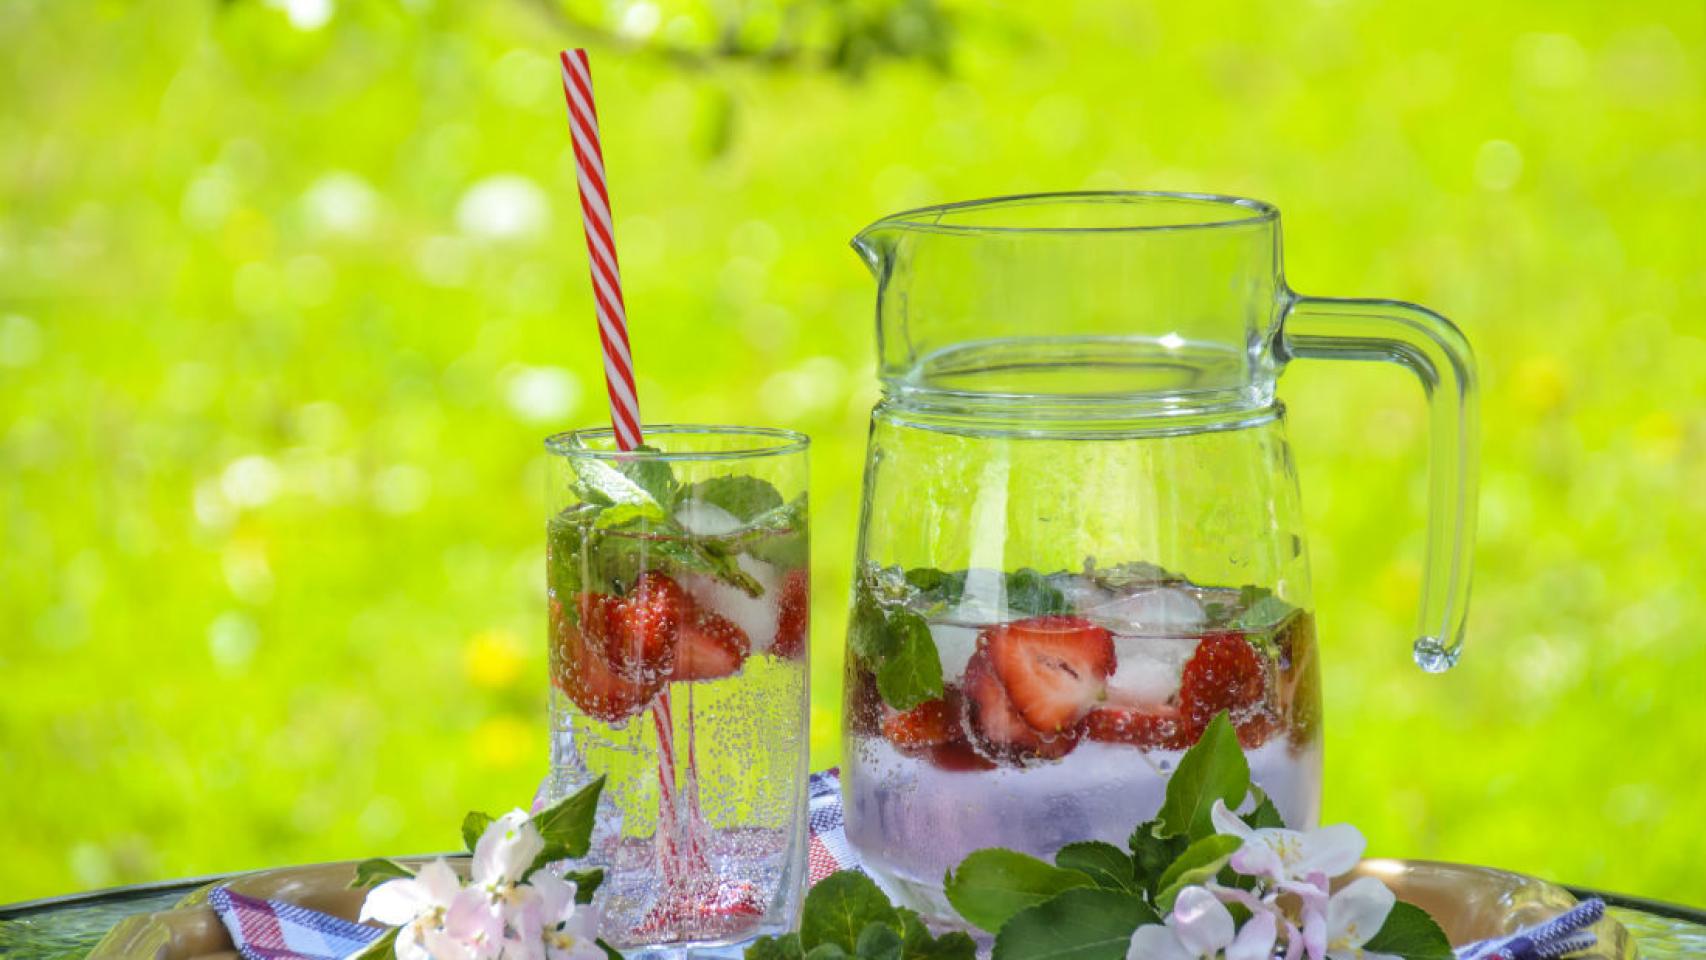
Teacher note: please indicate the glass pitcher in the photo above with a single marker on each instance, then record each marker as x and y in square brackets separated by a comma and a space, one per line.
[1081, 537]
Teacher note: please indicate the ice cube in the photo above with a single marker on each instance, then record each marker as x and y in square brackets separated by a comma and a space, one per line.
[984, 599]
[1081, 592]
[756, 615]
[1152, 611]
[706, 519]
[954, 646]
[1147, 670]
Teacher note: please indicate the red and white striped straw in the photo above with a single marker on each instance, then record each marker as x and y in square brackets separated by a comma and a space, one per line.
[601, 250]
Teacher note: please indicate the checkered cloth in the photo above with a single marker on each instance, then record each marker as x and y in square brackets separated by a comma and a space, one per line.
[272, 930]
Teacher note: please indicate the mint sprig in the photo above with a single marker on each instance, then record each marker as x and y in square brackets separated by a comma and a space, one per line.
[847, 915]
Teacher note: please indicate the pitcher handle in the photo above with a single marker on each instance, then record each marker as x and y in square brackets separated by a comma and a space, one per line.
[1437, 353]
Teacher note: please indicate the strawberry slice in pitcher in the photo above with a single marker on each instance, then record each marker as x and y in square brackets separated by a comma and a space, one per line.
[640, 643]
[1225, 673]
[997, 727]
[580, 670]
[1055, 669]
[931, 723]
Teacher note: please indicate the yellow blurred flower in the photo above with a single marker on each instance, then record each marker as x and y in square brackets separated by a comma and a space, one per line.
[1658, 436]
[492, 659]
[503, 741]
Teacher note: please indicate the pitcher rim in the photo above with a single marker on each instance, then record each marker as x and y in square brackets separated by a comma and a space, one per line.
[1254, 212]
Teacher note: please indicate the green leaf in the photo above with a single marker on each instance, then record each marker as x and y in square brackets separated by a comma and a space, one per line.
[935, 586]
[586, 882]
[1266, 815]
[826, 951]
[1028, 592]
[788, 546]
[1214, 769]
[1106, 865]
[1153, 850]
[384, 947]
[567, 824]
[652, 475]
[610, 952]
[785, 947]
[1410, 933]
[632, 516]
[378, 870]
[912, 672]
[600, 483]
[1200, 861]
[838, 908]
[868, 632]
[918, 944]
[992, 885]
[1267, 611]
[474, 824]
[878, 941]
[1120, 578]
[746, 498]
[1083, 924]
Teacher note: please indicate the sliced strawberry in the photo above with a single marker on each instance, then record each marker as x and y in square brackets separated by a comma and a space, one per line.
[958, 756]
[708, 646]
[929, 724]
[579, 669]
[1055, 669]
[1149, 728]
[652, 614]
[997, 727]
[1225, 673]
[793, 615]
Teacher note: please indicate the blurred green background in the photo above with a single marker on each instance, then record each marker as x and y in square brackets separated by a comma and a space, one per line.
[291, 290]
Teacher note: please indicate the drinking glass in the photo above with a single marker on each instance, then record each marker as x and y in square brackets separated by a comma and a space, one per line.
[678, 594]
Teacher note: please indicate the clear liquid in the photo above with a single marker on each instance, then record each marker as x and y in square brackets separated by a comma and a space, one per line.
[701, 826]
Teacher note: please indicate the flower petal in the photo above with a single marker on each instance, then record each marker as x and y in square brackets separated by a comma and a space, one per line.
[1256, 859]
[1156, 942]
[1331, 850]
[1256, 940]
[1315, 933]
[440, 882]
[1202, 922]
[507, 848]
[1227, 822]
[1357, 912]
[556, 897]
[395, 902]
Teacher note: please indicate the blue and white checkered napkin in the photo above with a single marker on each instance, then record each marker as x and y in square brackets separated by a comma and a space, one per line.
[271, 930]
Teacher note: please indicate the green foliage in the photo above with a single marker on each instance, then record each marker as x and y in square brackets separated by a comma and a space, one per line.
[1411, 934]
[1214, 769]
[378, 870]
[847, 915]
[1081, 924]
[271, 403]
[566, 826]
[990, 886]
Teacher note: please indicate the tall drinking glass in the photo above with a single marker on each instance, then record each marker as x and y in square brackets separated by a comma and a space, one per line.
[679, 591]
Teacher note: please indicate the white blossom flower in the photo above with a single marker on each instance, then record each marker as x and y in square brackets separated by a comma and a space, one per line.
[1290, 855]
[505, 850]
[436, 917]
[1201, 927]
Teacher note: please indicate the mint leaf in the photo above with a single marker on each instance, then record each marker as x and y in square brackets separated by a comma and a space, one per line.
[652, 475]
[934, 586]
[782, 540]
[1029, 593]
[877, 941]
[917, 944]
[377, 870]
[634, 482]
[912, 672]
[1213, 769]
[746, 498]
[992, 885]
[785, 947]
[1153, 850]
[1200, 861]
[385, 946]
[826, 951]
[566, 826]
[474, 824]
[838, 909]
[1121, 577]
[868, 632]
[1267, 611]
[1106, 865]
[1410, 933]
[1083, 924]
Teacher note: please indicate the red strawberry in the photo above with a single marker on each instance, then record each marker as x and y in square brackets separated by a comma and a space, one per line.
[1153, 728]
[1225, 673]
[708, 646]
[1055, 669]
[652, 614]
[996, 724]
[579, 669]
[929, 724]
[793, 616]
[958, 756]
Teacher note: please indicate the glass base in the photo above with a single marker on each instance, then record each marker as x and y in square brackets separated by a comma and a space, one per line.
[717, 950]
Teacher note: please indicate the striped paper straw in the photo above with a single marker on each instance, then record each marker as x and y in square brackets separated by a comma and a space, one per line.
[601, 250]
